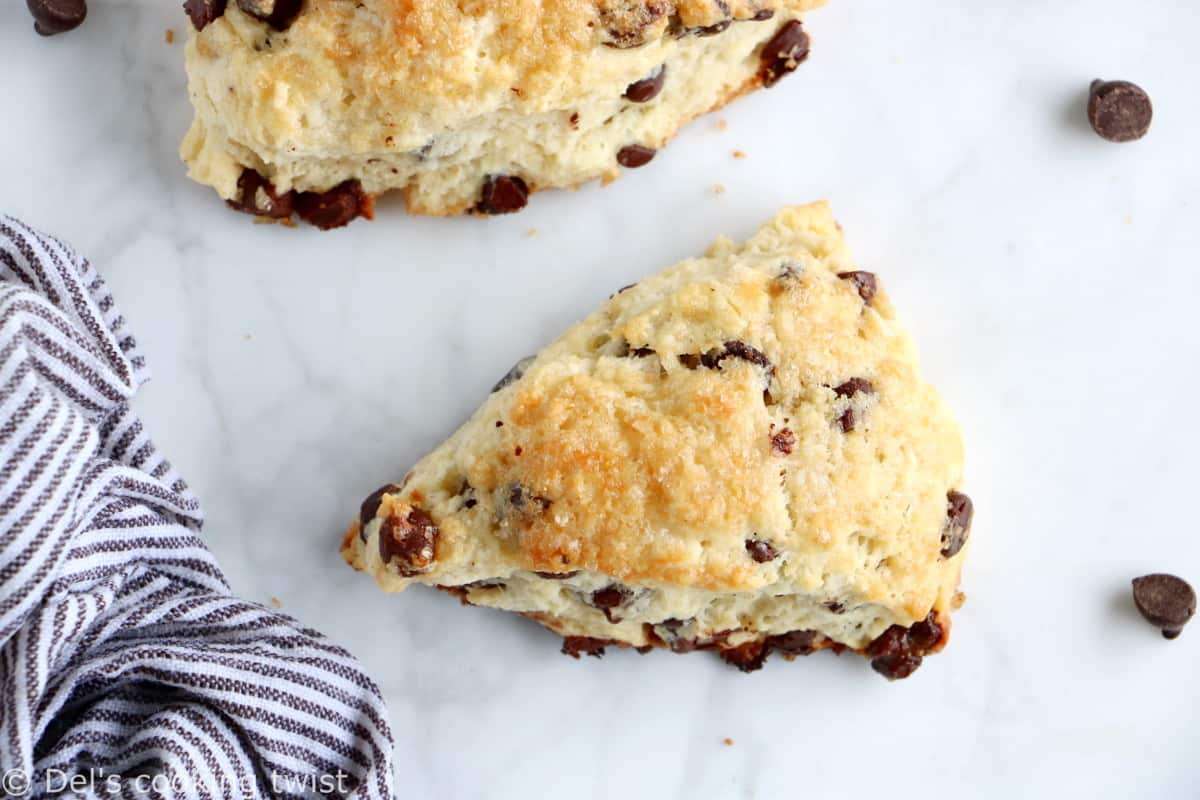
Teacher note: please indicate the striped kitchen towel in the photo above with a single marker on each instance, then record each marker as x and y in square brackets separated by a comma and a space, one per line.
[127, 669]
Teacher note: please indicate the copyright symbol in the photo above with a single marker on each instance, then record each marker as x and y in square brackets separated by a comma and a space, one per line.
[14, 783]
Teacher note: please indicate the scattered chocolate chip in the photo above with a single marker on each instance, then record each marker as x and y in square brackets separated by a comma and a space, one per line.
[761, 551]
[734, 349]
[409, 541]
[747, 657]
[641, 352]
[783, 52]
[1166, 601]
[609, 598]
[849, 417]
[624, 288]
[690, 360]
[370, 507]
[763, 15]
[334, 207]
[502, 194]
[635, 155]
[898, 651]
[202, 12]
[854, 386]
[783, 442]
[513, 375]
[959, 512]
[575, 646]
[865, 282]
[257, 195]
[647, 88]
[56, 16]
[573, 120]
[835, 607]
[556, 576]
[1119, 111]
[711, 30]
[794, 643]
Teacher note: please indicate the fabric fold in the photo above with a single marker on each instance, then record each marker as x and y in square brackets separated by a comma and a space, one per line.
[124, 658]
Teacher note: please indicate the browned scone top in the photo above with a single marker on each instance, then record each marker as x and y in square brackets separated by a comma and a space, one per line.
[436, 97]
[738, 448]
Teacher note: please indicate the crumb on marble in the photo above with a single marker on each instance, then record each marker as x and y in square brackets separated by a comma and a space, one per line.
[728, 742]
[721, 124]
[739, 154]
[276, 603]
[532, 232]
[170, 36]
[718, 188]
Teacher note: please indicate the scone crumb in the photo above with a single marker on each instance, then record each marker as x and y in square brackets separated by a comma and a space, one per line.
[276, 602]
[532, 232]
[170, 36]
[728, 742]
[722, 124]
[739, 154]
[718, 188]
[957, 601]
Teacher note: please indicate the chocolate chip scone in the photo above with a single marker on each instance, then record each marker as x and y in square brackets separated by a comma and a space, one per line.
[737, 454]
[314, 107]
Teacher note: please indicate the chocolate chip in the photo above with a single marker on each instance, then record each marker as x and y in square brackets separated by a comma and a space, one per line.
[409, 541]
[1119, 111]
[898, 651]
[635, 155]
[556, 576]
[854, 386]
[257, 195]
[761, 551]
[641, 352]
[502, 194]
[370, 507]
[783, 52]
[690, 360]
[647, 88]
[794, 643]
[609, 598]
[959, 512]
[747, 657]
[1166, 601]
[835, 607]
[711, 30]
[783, 442]
[865, 282]
[202, 12]
[514, 374]
[926, 634]
[763, 15]
[734, 349]
[334, 207]
[519, 496]
[276, 13]
[56, 16]
[575, 646]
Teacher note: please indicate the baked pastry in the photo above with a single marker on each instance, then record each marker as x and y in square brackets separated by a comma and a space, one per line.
[737, 454]
[316, 107]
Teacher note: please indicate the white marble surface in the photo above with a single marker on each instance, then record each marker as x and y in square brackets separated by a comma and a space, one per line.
[1049, 277]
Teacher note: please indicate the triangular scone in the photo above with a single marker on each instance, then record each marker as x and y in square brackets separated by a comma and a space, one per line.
[314, 108]
[736, 454]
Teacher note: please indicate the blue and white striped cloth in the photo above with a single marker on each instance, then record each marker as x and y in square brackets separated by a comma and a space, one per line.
[127, 669]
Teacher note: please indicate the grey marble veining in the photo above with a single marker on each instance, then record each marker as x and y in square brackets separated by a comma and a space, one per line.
[1049, 277]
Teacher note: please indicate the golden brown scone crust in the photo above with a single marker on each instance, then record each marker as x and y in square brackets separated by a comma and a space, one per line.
[433, 96]
[749, 396]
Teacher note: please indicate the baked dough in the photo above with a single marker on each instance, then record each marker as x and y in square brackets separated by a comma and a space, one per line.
[464, 106]
[735, 454]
